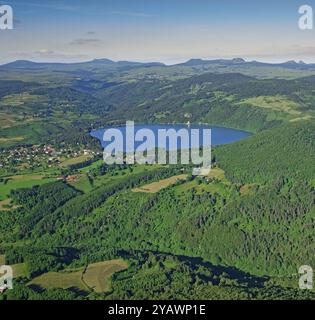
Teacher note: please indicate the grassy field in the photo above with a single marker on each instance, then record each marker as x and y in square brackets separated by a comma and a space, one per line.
[16, 100]
[82, 183]
[276, 103]
[21, 181]
[72, 161]
[13, 139]
[7, 120]
[219, 185]
[93, 165]
[62, 280]
[19, 269]
[212, 187]
[159, 185]
[217, 173]
[96, 276]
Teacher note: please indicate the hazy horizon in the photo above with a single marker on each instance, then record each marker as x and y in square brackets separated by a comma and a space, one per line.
[166, 64]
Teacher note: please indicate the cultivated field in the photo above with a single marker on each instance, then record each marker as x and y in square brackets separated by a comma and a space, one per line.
[61, 280]
[97, 276]
[159, 185]
[19, 270]
[217, 173]
[72, 161]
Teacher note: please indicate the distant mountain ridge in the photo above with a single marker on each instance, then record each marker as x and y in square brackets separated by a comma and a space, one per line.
[27, 64]
[240, 61]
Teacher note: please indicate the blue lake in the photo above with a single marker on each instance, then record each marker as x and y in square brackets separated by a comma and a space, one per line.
[219, 135]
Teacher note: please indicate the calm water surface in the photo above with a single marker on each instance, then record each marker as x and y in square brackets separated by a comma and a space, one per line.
[219, 135]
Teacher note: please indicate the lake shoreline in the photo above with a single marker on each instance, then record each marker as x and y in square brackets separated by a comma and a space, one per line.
[219, 135]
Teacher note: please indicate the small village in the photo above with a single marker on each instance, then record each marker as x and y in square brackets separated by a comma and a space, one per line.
[38, 155]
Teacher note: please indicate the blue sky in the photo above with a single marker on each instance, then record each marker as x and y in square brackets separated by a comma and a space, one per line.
[156, 30]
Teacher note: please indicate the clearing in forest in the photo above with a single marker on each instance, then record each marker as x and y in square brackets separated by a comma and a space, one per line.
[159, 185]
[97, 276]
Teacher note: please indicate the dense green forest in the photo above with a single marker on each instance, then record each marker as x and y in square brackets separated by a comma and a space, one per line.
[239, 234]
[164, 276]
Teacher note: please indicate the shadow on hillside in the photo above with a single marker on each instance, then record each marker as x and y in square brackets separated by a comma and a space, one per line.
[242, 277]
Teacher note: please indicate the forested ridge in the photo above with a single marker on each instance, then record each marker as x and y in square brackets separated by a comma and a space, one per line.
[287, 151]
[260, 231]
